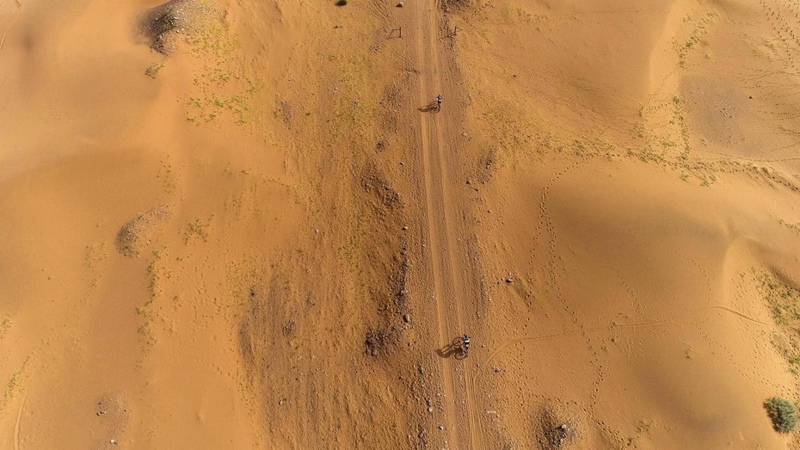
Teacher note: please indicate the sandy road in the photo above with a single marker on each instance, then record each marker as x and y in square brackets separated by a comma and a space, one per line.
[450, 285]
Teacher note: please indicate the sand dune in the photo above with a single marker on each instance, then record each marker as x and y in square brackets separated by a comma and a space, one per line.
[237, 225]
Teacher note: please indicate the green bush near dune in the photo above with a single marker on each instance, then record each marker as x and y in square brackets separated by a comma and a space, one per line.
[783, 414]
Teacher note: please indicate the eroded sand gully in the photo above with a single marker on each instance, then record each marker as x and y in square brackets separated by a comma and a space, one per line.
[248, 225]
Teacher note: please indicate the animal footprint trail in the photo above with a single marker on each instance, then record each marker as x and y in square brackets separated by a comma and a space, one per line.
[546, 222]
[706, 280]
[654, 323]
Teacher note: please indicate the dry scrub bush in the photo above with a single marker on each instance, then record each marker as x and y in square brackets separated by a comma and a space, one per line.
[783, 414]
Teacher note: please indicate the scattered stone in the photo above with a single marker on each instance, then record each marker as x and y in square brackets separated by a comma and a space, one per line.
[113, 441]
[137, 233]
[405, 228]
[406, 318]
[509, 280]
[561, 434]
[400, 5]
[430, 409]
[421, 370]
[441, 427]
[159, 24]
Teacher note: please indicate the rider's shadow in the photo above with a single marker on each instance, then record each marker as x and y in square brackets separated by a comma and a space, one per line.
[432, 107]
[454, 349]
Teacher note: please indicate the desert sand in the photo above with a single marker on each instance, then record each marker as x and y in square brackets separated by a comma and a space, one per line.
[246, 225]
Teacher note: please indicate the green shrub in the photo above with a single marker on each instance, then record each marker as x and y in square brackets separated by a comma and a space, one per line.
[783, 414]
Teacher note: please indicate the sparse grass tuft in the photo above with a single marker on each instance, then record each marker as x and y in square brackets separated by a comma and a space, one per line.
[782, 299]
[4, 326]
[13, 386]
[198, 229]
[783, 414]
[694, 38]
[152, 71]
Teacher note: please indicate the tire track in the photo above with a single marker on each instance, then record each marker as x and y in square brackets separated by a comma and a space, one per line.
[432, 198]
[13, 21]
[456, 272]
[19, 420]
[449, 285]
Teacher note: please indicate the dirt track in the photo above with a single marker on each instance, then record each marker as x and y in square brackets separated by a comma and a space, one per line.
[452, 289]
[243, 229]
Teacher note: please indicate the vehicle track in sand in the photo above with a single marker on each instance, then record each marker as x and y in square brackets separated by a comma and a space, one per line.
[13, 21]
[449, 285]
[19, 420]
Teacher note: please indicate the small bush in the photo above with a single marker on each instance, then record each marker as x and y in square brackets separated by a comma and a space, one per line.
[783, 414]
[341, 2]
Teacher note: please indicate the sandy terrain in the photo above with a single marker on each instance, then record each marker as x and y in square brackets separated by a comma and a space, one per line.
[241, 225]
